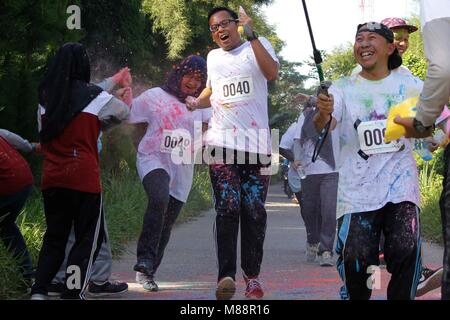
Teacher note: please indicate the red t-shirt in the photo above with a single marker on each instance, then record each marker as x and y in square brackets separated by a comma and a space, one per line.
[15, 174]
[71, 159]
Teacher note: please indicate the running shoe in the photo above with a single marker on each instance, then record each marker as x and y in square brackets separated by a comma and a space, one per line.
[108, 288]
[226, 288]
[430, 280]
[326, 259]
[311, 252]
[147, 282]
[254, 289]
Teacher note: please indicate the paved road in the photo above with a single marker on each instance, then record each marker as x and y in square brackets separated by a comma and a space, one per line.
[188, 270]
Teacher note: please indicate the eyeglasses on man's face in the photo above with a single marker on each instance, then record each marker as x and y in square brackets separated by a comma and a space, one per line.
[223, 24]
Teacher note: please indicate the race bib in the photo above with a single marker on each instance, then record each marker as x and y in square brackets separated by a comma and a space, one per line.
[371, 138]
[236, 89]
[175, 141]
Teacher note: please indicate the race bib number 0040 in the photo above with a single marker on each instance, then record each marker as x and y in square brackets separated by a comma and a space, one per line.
[236, 89]
[371, 138]
[175, 141]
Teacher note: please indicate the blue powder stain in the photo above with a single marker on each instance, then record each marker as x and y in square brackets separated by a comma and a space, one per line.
[402, 91]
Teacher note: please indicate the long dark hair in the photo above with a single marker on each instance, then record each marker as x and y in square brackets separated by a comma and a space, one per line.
[65, 90]
[191, 64]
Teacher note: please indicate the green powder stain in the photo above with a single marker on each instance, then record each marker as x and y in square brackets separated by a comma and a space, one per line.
[367, 102]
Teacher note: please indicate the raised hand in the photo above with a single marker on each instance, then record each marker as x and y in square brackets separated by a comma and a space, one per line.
[123, 77]
[191, 103]
[126, 95]
[246, 22]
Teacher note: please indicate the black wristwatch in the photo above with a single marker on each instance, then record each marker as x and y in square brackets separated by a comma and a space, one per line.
[252, 37]
[419, 127]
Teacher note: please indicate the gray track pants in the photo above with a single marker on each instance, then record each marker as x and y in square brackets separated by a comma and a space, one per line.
[101, 270]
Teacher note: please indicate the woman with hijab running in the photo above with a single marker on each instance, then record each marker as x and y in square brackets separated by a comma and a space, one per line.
[165, 129]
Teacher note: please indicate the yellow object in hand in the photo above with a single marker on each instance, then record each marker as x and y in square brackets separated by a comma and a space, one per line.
[404, 109]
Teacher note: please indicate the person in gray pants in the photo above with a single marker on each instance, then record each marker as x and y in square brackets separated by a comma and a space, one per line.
[100, 284]
[319, 187]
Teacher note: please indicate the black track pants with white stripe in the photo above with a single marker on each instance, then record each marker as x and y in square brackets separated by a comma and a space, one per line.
[62, 208]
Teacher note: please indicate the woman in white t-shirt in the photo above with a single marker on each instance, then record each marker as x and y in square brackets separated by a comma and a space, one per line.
[164, 159]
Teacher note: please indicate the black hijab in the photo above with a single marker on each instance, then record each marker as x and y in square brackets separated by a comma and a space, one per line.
[65, 90]
[192, 64]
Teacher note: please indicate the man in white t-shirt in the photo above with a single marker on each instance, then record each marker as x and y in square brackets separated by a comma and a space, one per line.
[378, 187]
[237, 91]
[435, 22]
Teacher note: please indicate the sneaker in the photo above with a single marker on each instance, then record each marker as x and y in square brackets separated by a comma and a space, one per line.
[429, 280]
[147, 282]
[254, 289]
[225, 288]
[326, 259]
[311, 252]
[108, 288]
[38, 296]
[150, 285]
[55, 289]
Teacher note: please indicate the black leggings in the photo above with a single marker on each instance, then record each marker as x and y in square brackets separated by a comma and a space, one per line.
[162, 212]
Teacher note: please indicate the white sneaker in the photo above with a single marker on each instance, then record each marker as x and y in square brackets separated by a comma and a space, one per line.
[226, 288]
[141, 277]
[326, 259]
[311, 252]
[147, 282]
[38, 296]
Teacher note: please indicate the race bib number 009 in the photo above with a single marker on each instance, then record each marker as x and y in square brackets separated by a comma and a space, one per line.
[371, 138]
[175, 141]
[236, 89]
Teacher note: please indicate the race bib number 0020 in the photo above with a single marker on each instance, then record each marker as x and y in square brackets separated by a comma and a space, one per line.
[236, 89]
[371, 138]
[175, 141]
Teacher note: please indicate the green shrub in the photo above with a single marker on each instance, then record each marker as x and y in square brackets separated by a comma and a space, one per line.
[430, 183]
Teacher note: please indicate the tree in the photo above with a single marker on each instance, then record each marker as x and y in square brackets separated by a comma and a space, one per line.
[339, 63]
[414, 59]
[184, 23]
[283, 109]
[31, 31]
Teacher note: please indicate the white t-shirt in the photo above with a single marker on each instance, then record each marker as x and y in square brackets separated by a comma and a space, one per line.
[367, 185]
[433, 9]
[287, 140]
[203, 115]
[239, 99]
[163, 113]
[402, 69]
[320, 166]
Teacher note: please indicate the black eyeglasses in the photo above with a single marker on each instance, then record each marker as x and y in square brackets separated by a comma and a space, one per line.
[223, 24]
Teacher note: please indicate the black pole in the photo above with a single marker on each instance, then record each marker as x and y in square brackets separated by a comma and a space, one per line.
[322, 88]
[316, 53]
